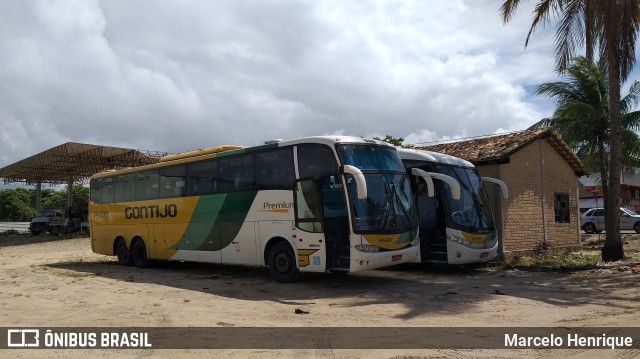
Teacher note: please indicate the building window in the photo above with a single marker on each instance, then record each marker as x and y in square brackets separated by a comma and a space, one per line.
[561, 207]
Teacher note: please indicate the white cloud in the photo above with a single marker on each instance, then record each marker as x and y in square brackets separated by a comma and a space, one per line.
[176, 76]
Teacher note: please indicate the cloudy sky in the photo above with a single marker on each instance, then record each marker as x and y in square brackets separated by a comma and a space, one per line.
[177, 75]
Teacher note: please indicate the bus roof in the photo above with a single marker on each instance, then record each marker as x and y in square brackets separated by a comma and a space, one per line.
[434, 157]
[226, 150]
[332, 140]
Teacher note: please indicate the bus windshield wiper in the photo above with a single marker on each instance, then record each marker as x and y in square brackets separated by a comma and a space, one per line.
[388, 211]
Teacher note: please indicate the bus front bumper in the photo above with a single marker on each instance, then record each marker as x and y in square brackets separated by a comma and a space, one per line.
[460, 254]
[361, 261]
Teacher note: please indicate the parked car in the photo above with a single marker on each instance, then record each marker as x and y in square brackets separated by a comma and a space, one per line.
[592, 221]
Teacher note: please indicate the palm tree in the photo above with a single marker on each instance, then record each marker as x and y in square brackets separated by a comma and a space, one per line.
[582, 117]
[578, 25]
[612, 26]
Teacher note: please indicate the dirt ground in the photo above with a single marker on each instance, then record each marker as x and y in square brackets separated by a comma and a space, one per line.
[49, 282]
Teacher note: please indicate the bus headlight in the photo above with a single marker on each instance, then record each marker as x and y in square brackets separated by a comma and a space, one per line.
[367, 248]
[458, 240]
[416, 241]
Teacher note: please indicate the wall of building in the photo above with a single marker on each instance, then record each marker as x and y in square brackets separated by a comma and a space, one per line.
[534, 175]
[560, 178]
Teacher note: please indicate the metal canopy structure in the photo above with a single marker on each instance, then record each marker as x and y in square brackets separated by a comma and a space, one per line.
[71, 162]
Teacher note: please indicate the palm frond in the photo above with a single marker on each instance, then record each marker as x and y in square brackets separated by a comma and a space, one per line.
[631, 99]
[508, 9]
[569, 33]
[541, 15]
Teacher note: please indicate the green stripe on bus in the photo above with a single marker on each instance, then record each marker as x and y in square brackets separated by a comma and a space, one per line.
[231, 212]
[201, 234]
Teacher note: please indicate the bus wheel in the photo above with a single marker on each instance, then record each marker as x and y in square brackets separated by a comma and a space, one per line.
[123, 253]
[139, 254]
[282, 263]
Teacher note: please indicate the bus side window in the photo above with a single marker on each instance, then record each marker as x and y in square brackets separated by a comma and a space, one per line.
[236, 173]
[244, 173]
[316, 161]
[173, 181]
[274, 169]
[125, 187]
[200, 177]
[96, 190]
[307, 207]
[147, 185]
[107, 190]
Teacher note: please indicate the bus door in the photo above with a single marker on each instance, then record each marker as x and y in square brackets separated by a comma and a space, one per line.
[309, 229]
[321, 212]
[432, 222]
[336, 222]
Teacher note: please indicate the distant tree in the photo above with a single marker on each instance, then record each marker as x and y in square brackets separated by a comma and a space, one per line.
[44, 193]
[19, 204]
[55, 199]
[80, 197]
[394, 141]
[15, 205]
[58, 199]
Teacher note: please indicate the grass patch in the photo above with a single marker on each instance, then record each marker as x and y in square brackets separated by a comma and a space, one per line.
[567, 258]
[10, 232]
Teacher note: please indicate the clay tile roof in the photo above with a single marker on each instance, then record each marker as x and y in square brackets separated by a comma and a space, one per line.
[498, 148]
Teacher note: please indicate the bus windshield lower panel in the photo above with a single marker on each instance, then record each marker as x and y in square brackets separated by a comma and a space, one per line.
[472, 211]
[388, 208]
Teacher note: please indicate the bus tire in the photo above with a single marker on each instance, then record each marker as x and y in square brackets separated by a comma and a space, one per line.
[282, 263]
[139, 254]
[123, 253]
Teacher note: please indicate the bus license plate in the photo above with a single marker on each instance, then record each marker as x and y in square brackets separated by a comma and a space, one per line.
[397, 257]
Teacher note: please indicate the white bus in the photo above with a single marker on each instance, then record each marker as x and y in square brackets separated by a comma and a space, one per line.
[455, 227]
[316, 204]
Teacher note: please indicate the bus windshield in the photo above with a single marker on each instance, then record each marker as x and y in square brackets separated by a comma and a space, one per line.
[472, 210]
[389, 207]
[380, 158]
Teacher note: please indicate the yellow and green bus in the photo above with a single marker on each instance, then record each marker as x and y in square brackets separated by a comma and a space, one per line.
[315, 204]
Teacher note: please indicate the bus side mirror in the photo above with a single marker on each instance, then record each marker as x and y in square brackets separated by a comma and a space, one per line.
[427, 179]
[502, 185]
[453, 184]
[361, 182]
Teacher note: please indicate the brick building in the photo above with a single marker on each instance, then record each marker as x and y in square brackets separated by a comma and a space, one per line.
[542, 174]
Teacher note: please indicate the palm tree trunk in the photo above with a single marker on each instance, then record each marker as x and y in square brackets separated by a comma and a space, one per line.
[612, 249]
[588, 29]
[603, 172]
